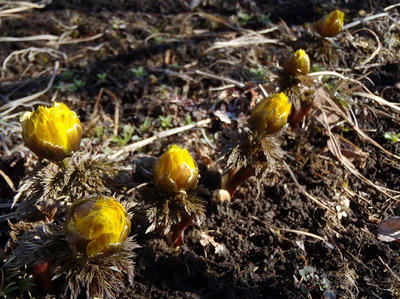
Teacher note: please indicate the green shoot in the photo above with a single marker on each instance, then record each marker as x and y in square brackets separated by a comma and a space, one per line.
[166, 121]
[126, 136]
[392, 137]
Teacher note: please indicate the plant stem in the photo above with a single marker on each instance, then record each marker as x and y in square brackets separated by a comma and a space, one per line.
[235, 179]
[65, 164]
[176, 236]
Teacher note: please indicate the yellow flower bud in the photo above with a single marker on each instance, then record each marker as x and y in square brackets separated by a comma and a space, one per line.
[175, 170]
[331, 24]
[297, 64]
[271, 114]
[94, 226]
[52, 133]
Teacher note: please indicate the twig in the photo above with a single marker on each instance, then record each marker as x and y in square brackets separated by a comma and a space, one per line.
[251, 38]
[265, 93]
[366, 19]
[5, 217]
[229, 80]
[378, 99]
[8, 180]
[24, 6]
[295, 231]
[163, 134]
[32, 53]
[48, 37]
[390, 270]
[334, 145]
[223, 87]
[376, 50]
[360, 132]
[391, 7]
[304, 190]
[7, 205]
[22, 101]
[117, 110]
[78, 40]
[137, 187]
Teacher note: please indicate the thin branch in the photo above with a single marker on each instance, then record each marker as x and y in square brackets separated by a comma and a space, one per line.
[225, 79]
[302, 189]
[48, 37]
[249, 39]
[160, 135]
[8, 180]
[376, 50]
[32, 53]
[14, 104]
[378, 99]
[78, 40]
[366, 19]
[24, 6]
[295, 231]
[389, 269]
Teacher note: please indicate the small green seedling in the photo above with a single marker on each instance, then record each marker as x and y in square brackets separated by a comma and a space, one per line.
[166, 121]
[392, 137]
[126, 136]
[138, 72]
[102, 77]
[145, 125]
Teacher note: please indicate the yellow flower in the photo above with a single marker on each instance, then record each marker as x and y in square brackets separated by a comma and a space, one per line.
[331, 24]
[175, 170]
[297, 64]
[271, 114]
[94, 226]
[52, 133]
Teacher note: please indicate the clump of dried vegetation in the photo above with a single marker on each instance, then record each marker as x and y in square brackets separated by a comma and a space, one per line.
[339, 132]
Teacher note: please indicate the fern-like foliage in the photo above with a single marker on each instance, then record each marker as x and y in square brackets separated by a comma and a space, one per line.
[167, 210]
[102, 276]
[243, 148]
[53, 186]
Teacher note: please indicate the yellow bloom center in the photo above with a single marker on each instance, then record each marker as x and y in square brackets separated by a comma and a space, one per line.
[175, 170]
[271, 114]
[100, 225]
[52, 132]
[297, 64]
[330, 25]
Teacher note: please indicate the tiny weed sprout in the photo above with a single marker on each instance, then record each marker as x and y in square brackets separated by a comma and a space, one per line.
[91, 250]
[331, 24]
[175, 206]
[96, 226]
[254, 149]
[297, 64]
[52, 133]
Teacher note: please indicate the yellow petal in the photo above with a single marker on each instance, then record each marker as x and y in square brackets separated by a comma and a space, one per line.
[175, 170]
[297, 64]
[271, 114]
[52, 132]
[331, 24]
[101, 224]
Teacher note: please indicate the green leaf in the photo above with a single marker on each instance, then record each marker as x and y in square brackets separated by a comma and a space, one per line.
[146, 125]
[126, 136]
[166, 121]
[188, 119]
[392, 137]
[138, 72]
